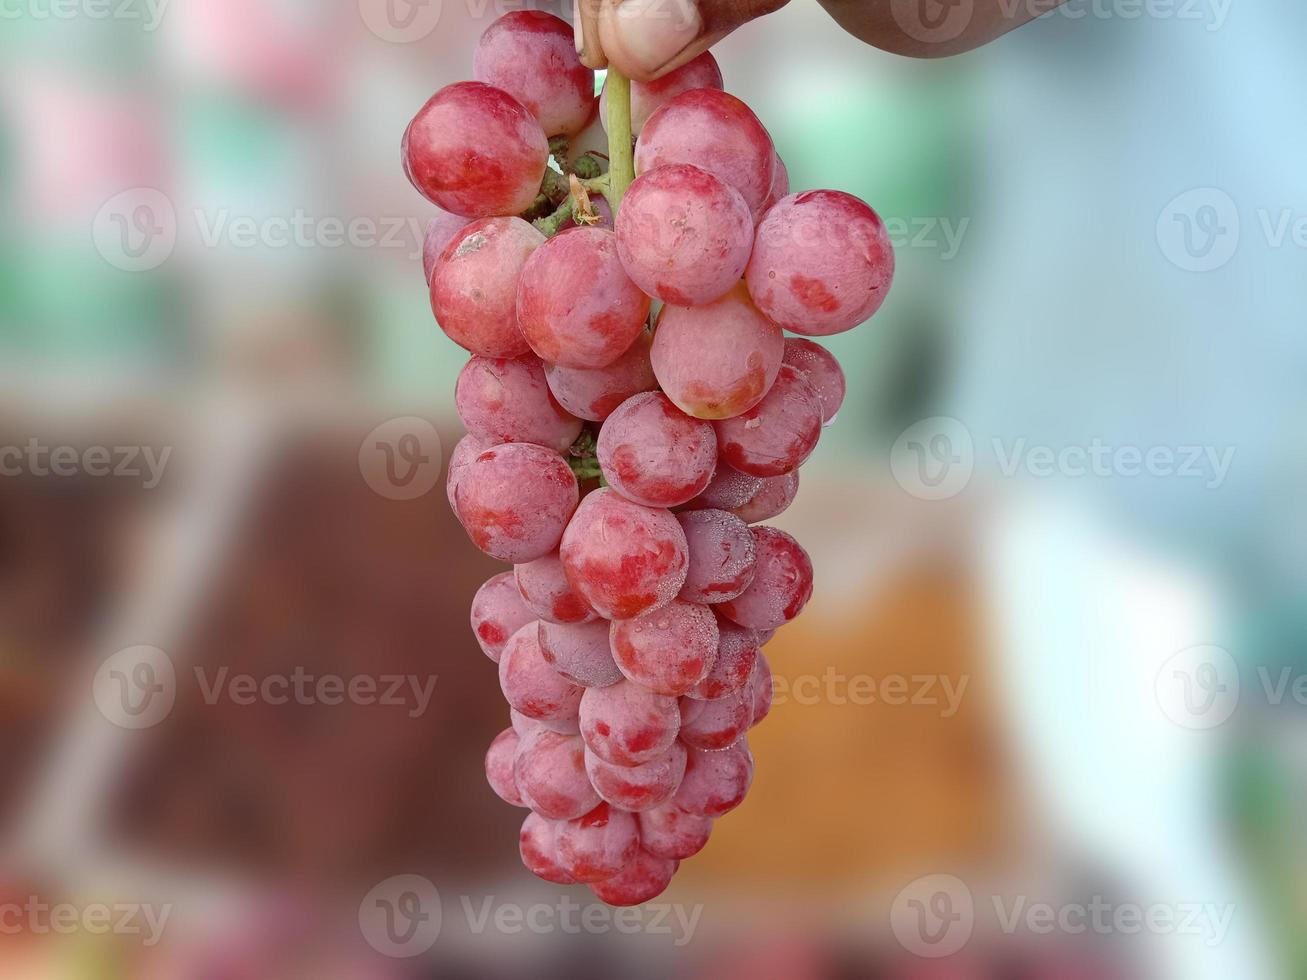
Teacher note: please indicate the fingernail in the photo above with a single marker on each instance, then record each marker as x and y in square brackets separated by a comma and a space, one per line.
[653, 32]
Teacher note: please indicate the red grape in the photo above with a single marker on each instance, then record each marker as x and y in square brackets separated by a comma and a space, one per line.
[524, 725]
[550, 774]
[530, 685]
[715, 131]
[775, 497]
[737, 652]
[670, 832]
[507, 400]
[467, 449]
[762, 689]
[497, 613]
[642, 880]
[728, 490]
[780, 185]
[575, 302]
[531, 55]
[722, 556]
[822, 263]
[641, 787]
[823, 372]
[718, 724]
[476, 151]
[499, 767]
[669, 650]
[515, 501]
[776, 435]
[538, 845]
[715, 783]
[683, 235]
[627, 725]
[474, 285]
[719, 360]
[781, 588]
[440, 231]
[625, 559]
[580, 652]
[598, 844]
[545, 591]
[654, 454]
[648, 97]
[594, 393]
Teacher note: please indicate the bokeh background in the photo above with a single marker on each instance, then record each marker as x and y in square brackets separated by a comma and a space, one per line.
[208, 250]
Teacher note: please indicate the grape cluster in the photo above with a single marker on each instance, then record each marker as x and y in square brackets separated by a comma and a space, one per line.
[634, 410]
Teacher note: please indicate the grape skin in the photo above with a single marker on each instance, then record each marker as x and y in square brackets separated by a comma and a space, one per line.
[779, 433]
[550, 775]
[524, 725]
[474, 285]
[580, 652]
[576, 305]
[669, 832]
[497, 613]
[628, 725]
[467, 449]
[683, 235]
[475, 151]
[737, 653]
[530, 685]
[781, 588]
[668, 651]
[772, 500]
[763, 690]
[440, 231]
[648, 97]
[822, 370]
[722, 556]
[719, 360]
[728, 490]
[822, 263]
[515, 501]
[532, 56]
[654, 454]
[538, 845]
[594, 393]
[715, 783]
[718, 724]
[643, 879]
[637, 788]
[599, 844]
[546, 592]
[499, 767]
[780, 185]
[503, 399]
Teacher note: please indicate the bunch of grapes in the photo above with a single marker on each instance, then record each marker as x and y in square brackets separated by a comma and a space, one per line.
[634, 411]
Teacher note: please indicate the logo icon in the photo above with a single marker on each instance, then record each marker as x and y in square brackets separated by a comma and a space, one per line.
[400, 459]
[933, 916]
[136, 230]
[136, 687]
[401, 21]
[1198, 231]
[1198, 687]
[934, 458]
[401, 917]
[933, 21]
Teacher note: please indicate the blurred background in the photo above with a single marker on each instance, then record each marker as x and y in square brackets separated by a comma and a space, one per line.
[1051, 686]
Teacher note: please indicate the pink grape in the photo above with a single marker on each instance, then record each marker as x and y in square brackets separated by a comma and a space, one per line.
[475, 151]
[507, 400]
[580, 652]
[531, 55]
[440, 231]
[599, 844]
[499, 767]
[781, 588]
[497, 613]
[683, 235]
[625, 559]
[538, 845]
[515, 501]
[737, 652]
[822, 263]
[654, 454]
[627, 725]
[546, 592]
[643, 879]
[524, 725]
[823, 372]
[719, 360]
[722, 556]
[595, 393]
[669, 650]
[765, 636]
[715, 131]
[648, 97]
[715, 783]
[775, 497]
[670, 832]
[474, 285]
[467, 449]
[718, 724]
[636, 788]
[575, 302]
[779, 433]
[530, 685]
[762, 689]
[728, 490]
[550, 775]
[780, 185]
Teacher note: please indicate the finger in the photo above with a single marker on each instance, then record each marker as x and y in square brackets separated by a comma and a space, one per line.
[586, 23]
[648, 38]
